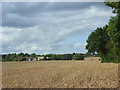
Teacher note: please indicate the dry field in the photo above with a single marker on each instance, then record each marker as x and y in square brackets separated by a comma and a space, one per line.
[89, 73]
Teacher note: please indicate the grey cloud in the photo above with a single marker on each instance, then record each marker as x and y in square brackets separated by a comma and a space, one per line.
[28, 14]
[23, 8]
[26, 8]
[45, 30]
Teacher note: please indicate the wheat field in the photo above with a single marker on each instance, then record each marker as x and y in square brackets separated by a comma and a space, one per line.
[89, 73]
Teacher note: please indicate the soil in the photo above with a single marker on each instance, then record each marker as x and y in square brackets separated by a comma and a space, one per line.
[90, 73]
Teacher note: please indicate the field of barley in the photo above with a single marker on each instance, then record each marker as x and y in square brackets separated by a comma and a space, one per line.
[90, 73]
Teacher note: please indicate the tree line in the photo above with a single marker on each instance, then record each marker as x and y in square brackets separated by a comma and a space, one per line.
[106, 40]
[23, 56]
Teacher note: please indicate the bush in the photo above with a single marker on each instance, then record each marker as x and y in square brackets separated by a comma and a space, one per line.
[5, 60]
[78, 57]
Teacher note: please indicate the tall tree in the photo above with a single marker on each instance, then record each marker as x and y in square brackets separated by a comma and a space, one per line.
[97, 40]
[106, 41]
[114, 28]
[100, 42]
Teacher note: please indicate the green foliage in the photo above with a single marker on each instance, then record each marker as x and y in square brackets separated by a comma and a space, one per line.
[27, 55]
[54, 57]
[114, 5]
[6, 60]
[7, 57]
[61, 57]
[78, 57]
[114, 29]
[100, 42]
[106, 41]
[67, 56]
[22, 56]
[33, 55]
[14, 57]
[97, 40]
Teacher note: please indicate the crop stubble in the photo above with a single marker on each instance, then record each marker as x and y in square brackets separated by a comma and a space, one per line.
[89, 73]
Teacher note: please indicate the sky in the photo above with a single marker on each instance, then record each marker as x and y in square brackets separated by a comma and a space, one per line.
[50, 27]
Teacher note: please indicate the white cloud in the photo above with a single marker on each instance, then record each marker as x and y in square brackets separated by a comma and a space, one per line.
[78, 45]
[46, 32]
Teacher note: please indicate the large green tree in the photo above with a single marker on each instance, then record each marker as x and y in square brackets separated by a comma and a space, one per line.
[106, 41]
[114, 28]
[98, 41]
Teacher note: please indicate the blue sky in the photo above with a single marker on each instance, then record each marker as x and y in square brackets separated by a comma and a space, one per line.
[50, 27]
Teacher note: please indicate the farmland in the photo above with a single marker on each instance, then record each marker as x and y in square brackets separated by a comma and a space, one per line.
[90, 73]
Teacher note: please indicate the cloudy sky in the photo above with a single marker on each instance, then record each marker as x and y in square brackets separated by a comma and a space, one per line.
[50, 27]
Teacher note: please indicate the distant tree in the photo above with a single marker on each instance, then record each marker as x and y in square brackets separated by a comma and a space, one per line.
[13, 56]
[54, 57]
[67, 57]
[88, 54]
[73, 53]
[62, 57]
[27, 55]
[7, 57]
[78, 57]
[3, 56]
[33, 55]
[48, 55]
[20, 55]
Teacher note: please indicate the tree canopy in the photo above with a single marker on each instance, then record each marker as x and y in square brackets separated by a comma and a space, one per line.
[106, 41]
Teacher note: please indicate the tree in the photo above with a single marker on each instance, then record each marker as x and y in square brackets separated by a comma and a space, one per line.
[54, 57]
[114, 28]
[78, 57]
[67, 57]
[20, 55]
[106, 41]
[3, 56]
[97, 40]
[100, 42]
[33, 55]
[27, 55]
[13, 57]
[7, 57]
